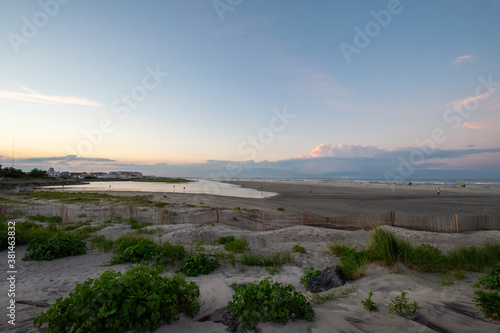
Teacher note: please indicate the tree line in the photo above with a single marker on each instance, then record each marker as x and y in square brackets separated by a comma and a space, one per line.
[12, 172]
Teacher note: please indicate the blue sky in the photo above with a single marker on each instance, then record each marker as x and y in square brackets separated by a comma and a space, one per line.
[202, 88]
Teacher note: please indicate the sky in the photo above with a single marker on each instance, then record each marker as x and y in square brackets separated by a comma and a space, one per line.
[251, 88]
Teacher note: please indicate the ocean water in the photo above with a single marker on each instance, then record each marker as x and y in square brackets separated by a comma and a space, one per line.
[470, 183]
[196, 187]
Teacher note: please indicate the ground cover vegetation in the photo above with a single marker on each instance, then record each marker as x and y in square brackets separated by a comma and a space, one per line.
[266, 301]
[139, 299]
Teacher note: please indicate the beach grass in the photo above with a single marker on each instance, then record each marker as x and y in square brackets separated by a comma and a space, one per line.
[387, 249]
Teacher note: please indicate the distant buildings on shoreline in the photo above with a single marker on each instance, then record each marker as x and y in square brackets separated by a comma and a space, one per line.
[125, 175]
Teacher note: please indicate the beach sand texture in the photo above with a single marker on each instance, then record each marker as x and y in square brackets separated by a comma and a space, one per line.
[443, 308]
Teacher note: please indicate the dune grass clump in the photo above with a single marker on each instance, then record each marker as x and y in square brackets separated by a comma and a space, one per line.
[222, 240]
[102, 243]
[297, 248]
[236, 246]
[57, 246]
[139, 300]
[138, 249]
[388, 249]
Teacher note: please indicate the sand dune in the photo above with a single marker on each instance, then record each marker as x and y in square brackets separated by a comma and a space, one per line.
[443, 308]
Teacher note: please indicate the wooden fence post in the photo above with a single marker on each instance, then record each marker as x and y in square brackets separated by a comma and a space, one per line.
[4, 210]
[361, 221]
[162, 215]
[392, 218]
[129, 212]
[263, 221]
[456, 222]
[483, 222]
[217, 214]
[305, 218]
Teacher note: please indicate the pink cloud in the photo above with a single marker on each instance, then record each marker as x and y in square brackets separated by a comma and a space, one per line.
[342, 150]
[483, 125]
[463, 59]
[489, 100]
[33, 96]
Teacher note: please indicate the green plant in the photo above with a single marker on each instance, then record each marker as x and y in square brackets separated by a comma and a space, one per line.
[237, 245]
[138, 250]
[458, 274]
[139, 299]
[199, 247]
[160, 204]
[308, 273]
[58, 246]
[197, 264]
[445, 279]
[237, 209]
[400, 305]
[265, 301]
[224, 240]
[298, 248]
[281, 209]
[489, 301]
[102, 243]
[134, 224]
[368, 303]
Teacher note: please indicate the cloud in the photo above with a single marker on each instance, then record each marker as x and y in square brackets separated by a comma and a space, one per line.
[463, 59]
[344, 161]
[343, 150]
[485, 100]
[36, 97]
[56, 159]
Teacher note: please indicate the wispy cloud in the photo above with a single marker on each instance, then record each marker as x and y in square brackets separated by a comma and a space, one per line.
[463, 59]
[32, 96]
[488, 100]
[67, 158]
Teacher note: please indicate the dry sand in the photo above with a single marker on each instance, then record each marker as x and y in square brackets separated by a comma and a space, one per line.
[443, 308]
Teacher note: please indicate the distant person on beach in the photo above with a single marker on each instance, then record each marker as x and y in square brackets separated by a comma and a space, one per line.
[438, 191]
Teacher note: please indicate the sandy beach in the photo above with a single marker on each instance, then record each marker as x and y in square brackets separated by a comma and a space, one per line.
[444, 308]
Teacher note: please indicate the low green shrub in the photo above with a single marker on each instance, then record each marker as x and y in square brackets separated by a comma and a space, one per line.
[139, 299]
[308, 273]
[265, 301]
[58, 246]
[197, 264]
[488, 300]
